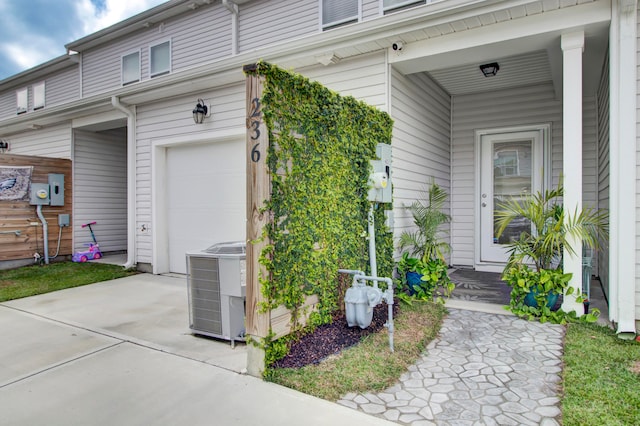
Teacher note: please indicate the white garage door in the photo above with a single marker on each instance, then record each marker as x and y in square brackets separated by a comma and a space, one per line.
[206, 187]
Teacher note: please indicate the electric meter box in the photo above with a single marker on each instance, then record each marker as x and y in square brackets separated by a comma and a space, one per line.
[39, 194]
[380, 178]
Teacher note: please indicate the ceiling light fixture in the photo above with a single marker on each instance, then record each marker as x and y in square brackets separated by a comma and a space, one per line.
[489, 70]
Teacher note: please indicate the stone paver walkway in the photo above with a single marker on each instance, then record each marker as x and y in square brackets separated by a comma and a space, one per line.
[483, 369]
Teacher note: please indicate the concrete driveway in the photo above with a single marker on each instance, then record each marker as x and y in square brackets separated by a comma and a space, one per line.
[120, 352]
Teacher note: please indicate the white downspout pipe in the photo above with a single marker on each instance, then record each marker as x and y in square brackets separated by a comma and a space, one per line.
[45, 233]
[130, 112]
[623, 152]
[233, 8]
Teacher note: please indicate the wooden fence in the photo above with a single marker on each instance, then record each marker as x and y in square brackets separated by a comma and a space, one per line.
[21, 232]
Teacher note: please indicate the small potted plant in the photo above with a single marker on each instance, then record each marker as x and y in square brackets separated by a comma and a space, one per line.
[423, 269]
[535, 291]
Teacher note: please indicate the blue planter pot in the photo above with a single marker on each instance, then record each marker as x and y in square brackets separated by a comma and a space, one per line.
[530, 299]
[414, 279]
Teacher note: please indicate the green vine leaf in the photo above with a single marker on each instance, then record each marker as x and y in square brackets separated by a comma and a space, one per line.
[320, 145]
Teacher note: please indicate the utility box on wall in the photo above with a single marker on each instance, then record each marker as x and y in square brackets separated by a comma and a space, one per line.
[380, 186]
[39, 194]
[56, 189]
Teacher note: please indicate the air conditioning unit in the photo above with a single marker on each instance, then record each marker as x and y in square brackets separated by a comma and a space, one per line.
[216, 284]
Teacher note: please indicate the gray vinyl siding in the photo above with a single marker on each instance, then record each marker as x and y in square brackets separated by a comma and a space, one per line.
[195, 38]
[421, 142]
[514, 107]
[265, 22]
[172, 119]
[100, 189]
[62, 87]
[370, 9]
[200, 37]
[7, 104]
[363, 77]
[52, 141]
[589, 153]
[602, 102]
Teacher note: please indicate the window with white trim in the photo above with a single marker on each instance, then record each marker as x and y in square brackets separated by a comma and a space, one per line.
[22, 101]
[38, 95]
[160, 59]
[131, 68]
[392, 5]
[339, 12]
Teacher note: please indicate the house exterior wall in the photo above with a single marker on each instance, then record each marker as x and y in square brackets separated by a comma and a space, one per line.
[195, 38]
[8, 103]
[602, 108]
[100, 190]
[62, 86]
[265, 22]
[171, 120]
[514, 107]
[421, 142]
[370, 9]
[52, 141]
[637, 176]
[363, 77]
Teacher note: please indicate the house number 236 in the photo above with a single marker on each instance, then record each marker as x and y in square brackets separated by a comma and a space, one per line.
[253, 124]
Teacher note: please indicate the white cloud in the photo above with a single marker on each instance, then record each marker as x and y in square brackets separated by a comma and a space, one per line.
[94, 19]
[37, 52]
[52, 24]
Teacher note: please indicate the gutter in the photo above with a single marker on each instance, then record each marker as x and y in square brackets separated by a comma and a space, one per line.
[130, 112]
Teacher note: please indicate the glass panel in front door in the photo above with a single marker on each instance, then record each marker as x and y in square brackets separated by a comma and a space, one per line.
[512, 177]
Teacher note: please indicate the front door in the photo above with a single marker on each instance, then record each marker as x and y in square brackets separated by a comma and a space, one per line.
[511, 165]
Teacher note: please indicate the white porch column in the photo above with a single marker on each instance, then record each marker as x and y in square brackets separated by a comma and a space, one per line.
[622, 153]
[572, 47]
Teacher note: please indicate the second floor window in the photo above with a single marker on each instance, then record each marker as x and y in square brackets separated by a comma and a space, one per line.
[22, 101]
[38, 95]
[131, 68]
[160, 59]
[339, 12]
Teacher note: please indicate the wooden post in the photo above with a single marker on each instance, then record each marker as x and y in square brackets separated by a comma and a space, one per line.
[258, 192]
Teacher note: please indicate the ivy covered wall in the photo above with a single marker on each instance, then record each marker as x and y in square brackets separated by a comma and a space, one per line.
[320, 144]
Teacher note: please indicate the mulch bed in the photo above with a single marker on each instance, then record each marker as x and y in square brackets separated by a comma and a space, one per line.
[330, 339]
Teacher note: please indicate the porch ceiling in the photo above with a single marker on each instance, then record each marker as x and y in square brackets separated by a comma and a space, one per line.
[538, 60]
[523, 61]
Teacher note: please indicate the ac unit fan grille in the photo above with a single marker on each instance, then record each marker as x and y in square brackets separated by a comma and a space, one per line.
[204, 280]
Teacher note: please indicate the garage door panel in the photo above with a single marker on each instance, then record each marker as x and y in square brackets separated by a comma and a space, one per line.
[206, 188]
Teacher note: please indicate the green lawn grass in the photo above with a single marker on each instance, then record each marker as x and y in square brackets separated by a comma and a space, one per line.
[601, 378]
[32, 280]
[369, 366]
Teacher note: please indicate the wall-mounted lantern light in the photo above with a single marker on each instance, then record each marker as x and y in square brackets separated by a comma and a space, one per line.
[489, 70]
[200, 112]
[4, 145]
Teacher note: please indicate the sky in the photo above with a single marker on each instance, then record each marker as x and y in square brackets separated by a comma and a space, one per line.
[35, 31]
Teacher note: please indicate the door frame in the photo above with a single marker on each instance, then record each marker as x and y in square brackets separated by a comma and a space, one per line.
[545, 131]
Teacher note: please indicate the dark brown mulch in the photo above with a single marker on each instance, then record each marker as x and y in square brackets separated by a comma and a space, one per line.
[330, 339]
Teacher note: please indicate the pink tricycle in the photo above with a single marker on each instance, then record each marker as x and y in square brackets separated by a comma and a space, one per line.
[94, 250]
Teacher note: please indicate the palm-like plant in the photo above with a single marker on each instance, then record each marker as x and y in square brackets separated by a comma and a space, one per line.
[551, 226]
[425, 241]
